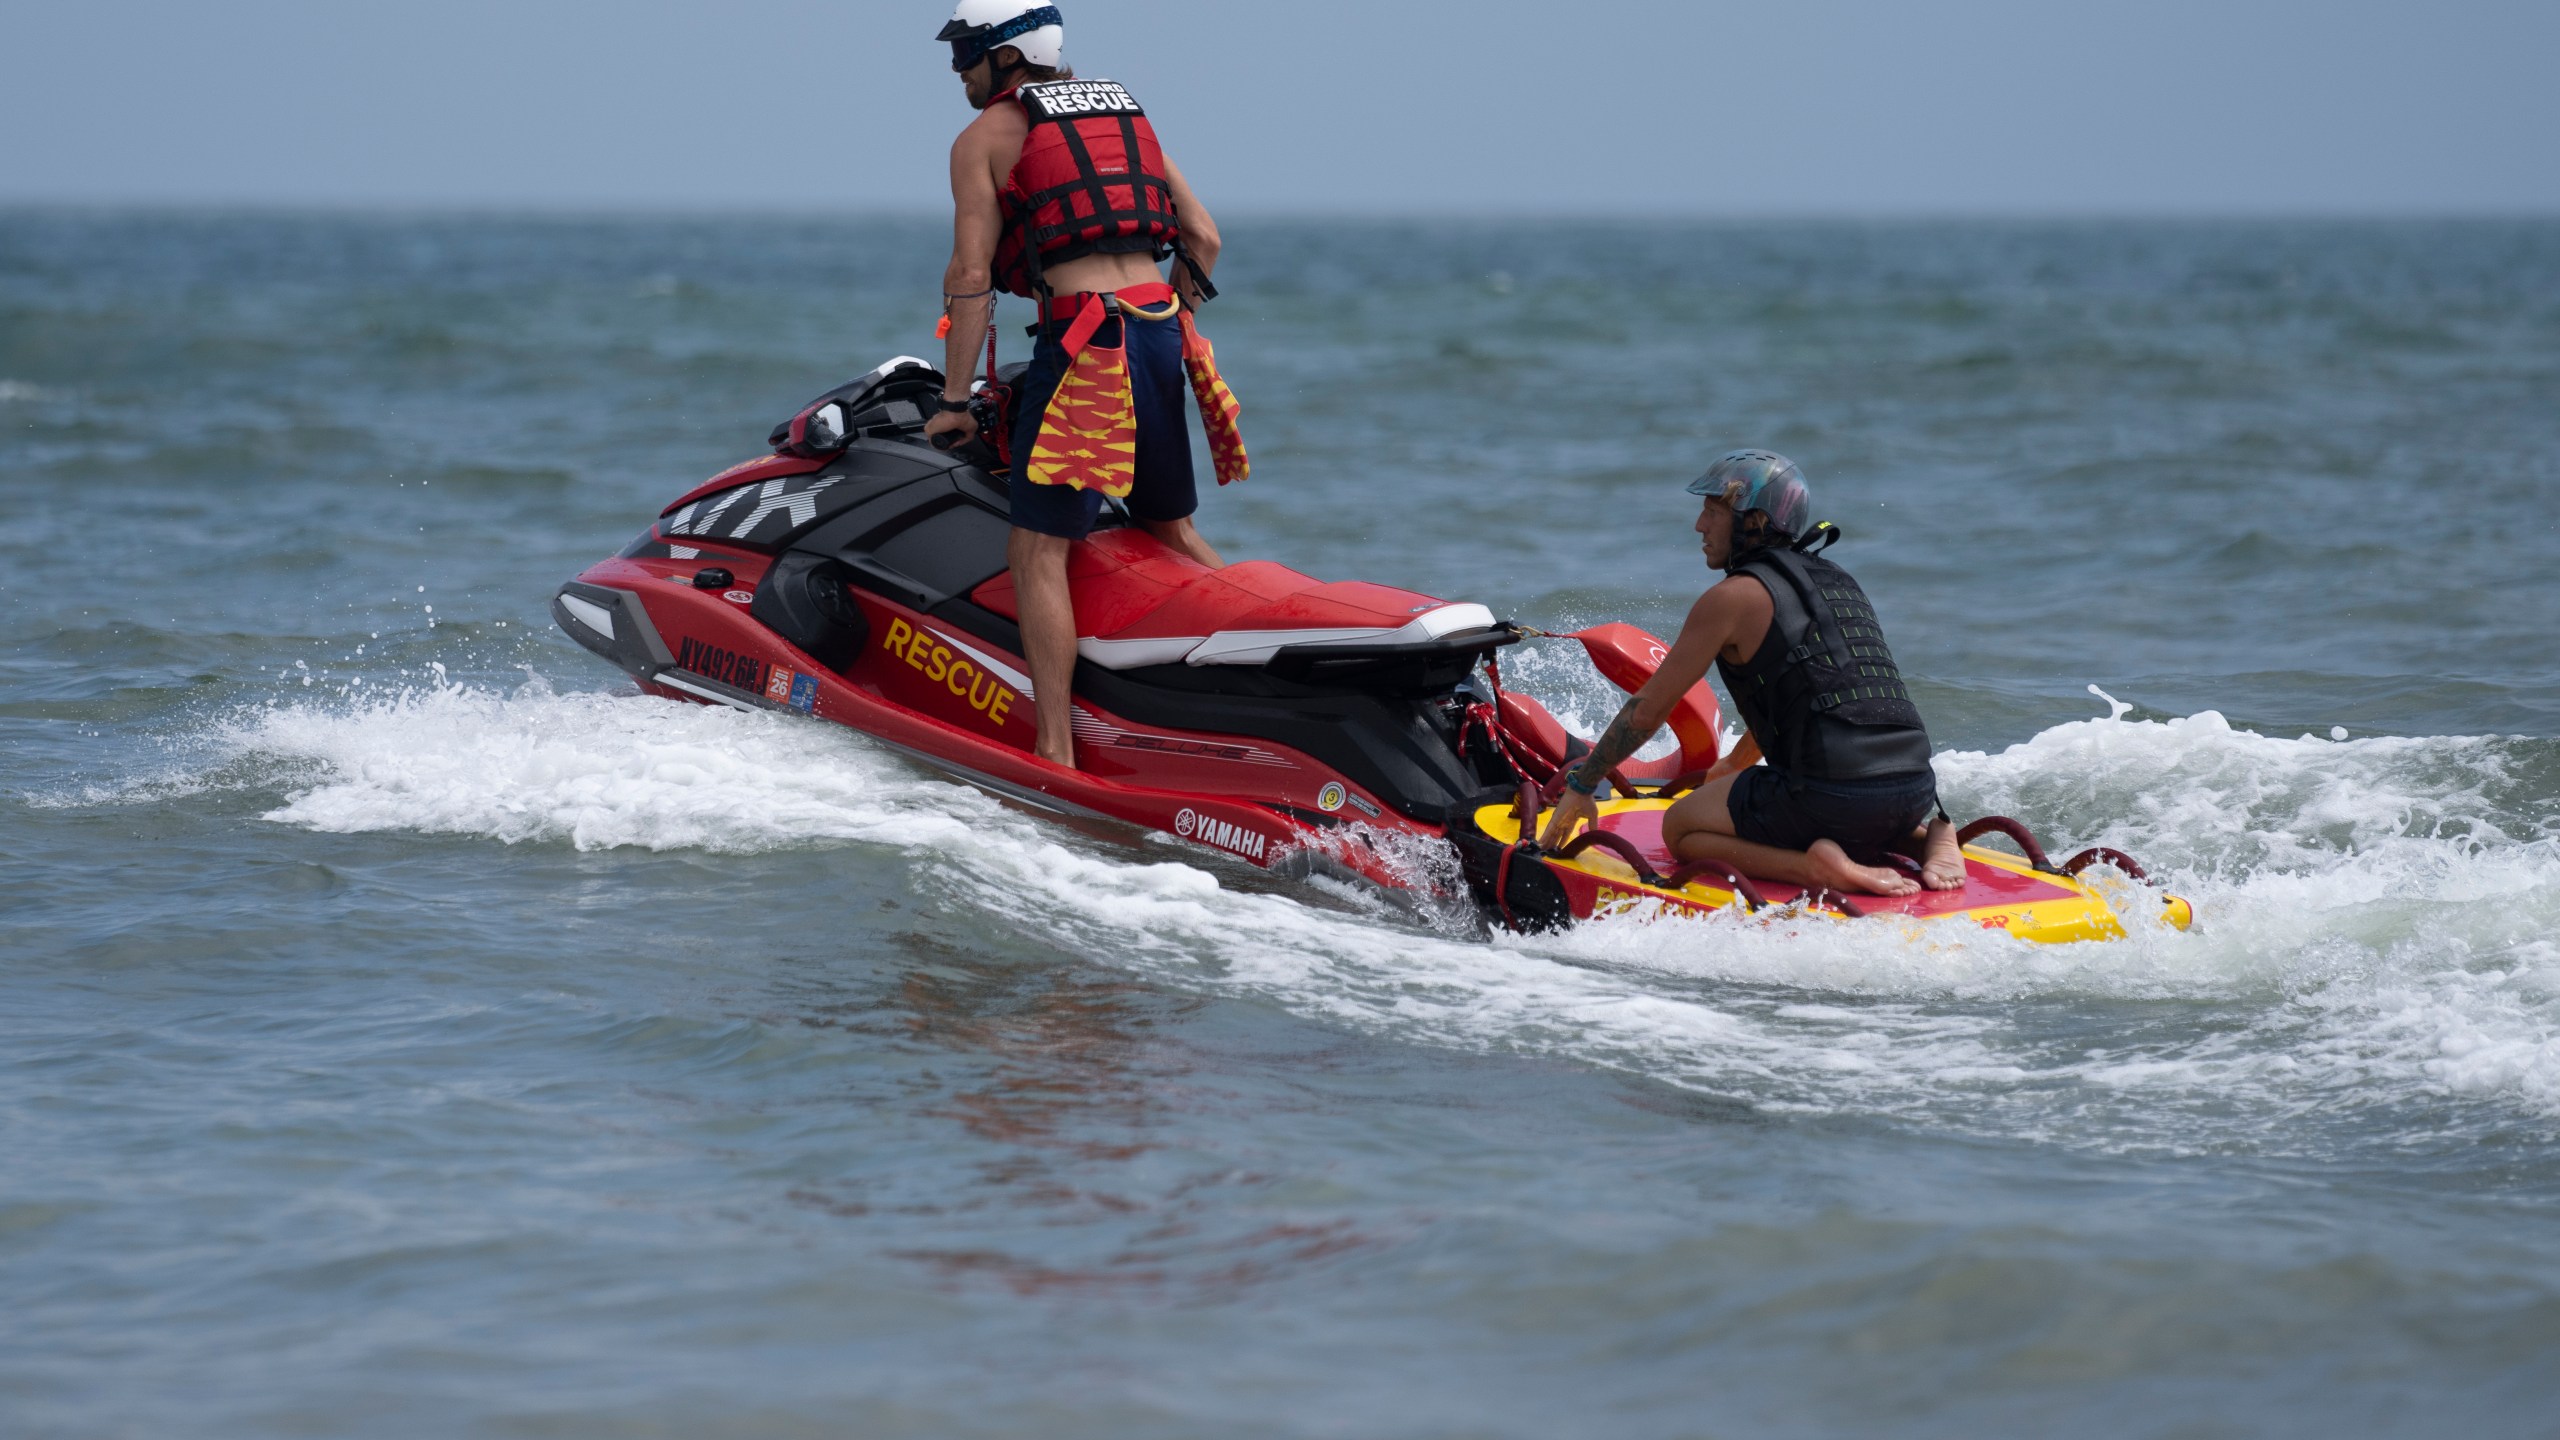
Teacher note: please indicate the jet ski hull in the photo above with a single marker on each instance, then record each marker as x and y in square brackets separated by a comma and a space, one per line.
[957, 701]
[862, 580]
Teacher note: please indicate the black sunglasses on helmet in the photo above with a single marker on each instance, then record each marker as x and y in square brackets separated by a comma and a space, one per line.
[971, 43]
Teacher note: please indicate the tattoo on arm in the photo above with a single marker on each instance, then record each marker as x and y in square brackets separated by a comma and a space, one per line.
[1615, 744]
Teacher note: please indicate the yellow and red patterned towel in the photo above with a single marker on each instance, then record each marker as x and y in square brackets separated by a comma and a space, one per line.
[1218, 407]
[1089, 433]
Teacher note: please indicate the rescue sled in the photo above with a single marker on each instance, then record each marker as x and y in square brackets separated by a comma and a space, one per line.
[1621, 864]
[857, 575]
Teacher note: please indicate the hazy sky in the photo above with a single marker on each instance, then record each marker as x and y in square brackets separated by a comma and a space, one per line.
[1788, 106]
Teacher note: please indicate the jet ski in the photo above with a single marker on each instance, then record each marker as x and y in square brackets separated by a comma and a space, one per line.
[856, 574]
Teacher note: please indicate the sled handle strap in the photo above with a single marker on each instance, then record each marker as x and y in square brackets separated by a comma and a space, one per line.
[1618, 845]
[1502, 888]
[1732, 879]
[2100, 854]
[1834, 900]
[2025, 837]
[1680, 784]
[1529, 806]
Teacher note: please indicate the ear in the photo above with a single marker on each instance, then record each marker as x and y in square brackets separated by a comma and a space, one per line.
[1007, 57]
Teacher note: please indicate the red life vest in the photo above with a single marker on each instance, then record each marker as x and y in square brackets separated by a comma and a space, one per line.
[1091, 180]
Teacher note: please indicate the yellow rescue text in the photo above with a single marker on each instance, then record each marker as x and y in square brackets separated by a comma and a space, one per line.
[918, 648]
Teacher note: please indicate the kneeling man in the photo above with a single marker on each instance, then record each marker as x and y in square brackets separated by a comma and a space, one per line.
[1800, 650]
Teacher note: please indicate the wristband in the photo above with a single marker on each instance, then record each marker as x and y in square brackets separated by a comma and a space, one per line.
[1579, 786]
[949, 406]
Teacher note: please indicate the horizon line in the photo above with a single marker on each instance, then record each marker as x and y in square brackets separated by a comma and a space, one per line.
[713, 210]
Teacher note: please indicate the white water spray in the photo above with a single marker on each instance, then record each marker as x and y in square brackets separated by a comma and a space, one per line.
[2373, 915]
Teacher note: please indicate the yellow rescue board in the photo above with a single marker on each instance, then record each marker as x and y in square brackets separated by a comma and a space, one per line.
[2002, 891]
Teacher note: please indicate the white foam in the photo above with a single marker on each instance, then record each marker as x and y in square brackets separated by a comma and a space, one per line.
[2371, 939]
[595, 771]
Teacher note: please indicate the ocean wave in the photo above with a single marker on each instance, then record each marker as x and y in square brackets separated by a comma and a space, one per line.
[2371, 932]
[593, 771]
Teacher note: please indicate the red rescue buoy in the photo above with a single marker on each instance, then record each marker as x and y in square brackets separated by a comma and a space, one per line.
[1629, 656]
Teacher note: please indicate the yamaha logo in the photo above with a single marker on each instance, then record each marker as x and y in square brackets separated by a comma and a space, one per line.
[1209, 830]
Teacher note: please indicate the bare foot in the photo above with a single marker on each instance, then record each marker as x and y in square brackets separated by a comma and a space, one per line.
[1064, 754]
[1841, 873]
[1943, 867]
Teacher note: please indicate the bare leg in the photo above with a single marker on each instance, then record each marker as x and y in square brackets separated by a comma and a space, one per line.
[1698, 827]
[1824, 867]
[1941, 858]
[1181, 536]
[1048, 638]
[1934, 846]
[1702, 809]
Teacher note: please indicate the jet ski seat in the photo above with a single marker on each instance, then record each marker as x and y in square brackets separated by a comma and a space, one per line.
[1141, 602]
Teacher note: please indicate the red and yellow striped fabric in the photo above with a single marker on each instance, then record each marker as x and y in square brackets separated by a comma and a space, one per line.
[1218, 405]
[1089, 433]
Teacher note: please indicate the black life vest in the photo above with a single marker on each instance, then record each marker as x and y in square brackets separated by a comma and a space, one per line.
[1091, 180]
[1822, 695]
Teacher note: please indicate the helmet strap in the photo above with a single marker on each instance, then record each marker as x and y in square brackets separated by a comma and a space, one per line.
[998, 85]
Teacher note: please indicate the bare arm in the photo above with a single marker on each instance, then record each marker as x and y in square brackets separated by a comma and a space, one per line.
[1741, 757]
[1199, 234]
[1703, 636]
[968, 281]
[1722, 613]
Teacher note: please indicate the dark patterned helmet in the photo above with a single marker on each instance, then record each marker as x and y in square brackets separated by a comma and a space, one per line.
[1764, 481]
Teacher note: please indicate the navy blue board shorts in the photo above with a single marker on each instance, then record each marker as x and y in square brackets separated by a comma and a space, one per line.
[1160, 397]
[1863, 817]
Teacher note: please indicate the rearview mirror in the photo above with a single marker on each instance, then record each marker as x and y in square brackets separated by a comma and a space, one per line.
[825, 429]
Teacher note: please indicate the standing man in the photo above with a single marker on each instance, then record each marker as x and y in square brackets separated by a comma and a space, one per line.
[1805, 661]
[1060, 194]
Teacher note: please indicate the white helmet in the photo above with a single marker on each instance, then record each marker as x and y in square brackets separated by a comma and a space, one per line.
[980, 27]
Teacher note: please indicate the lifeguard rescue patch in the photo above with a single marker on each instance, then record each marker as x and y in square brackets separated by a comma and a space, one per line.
[1076, 99]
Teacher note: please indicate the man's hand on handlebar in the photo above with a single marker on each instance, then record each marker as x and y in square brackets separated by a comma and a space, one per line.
[959, 425]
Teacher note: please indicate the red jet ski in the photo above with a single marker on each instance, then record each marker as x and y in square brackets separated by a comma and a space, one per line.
[857, 574]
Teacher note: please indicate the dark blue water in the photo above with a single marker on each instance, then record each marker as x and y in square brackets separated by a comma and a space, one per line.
[405, 1028]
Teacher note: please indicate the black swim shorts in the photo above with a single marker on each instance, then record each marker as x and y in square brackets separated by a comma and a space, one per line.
[1159, 390]
[1863, 817]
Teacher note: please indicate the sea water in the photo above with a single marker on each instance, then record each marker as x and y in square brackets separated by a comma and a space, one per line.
[407, 1028]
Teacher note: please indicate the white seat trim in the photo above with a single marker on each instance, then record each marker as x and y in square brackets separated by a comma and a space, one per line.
[1256, 647]
[1130, 654]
